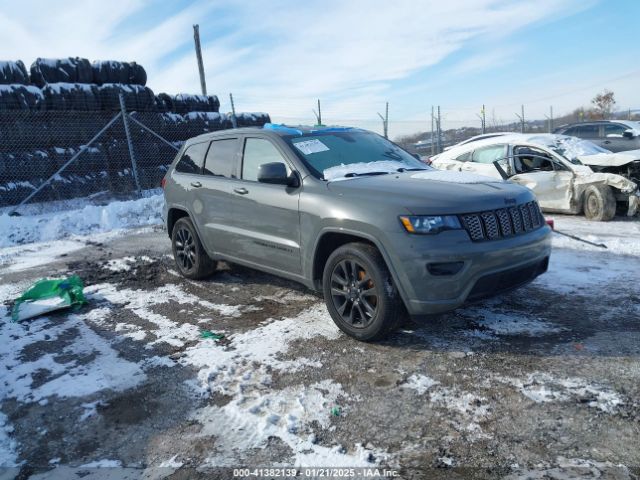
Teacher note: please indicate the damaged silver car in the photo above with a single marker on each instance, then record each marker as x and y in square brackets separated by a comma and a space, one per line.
[550, 165]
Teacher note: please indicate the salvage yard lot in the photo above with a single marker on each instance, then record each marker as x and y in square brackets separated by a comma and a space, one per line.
[545, 377]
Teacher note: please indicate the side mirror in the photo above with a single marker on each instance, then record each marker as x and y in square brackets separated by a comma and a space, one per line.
[276, 174]
[417, 156]
[628, 134]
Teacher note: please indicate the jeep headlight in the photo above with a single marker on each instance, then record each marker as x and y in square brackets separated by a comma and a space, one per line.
[429, 224]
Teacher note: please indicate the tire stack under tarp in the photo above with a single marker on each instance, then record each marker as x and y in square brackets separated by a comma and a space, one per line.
[47, 112]
[15, 91]
[74, 83]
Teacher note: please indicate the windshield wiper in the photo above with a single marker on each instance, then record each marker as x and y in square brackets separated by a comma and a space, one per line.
[411, 169]
[362, 174]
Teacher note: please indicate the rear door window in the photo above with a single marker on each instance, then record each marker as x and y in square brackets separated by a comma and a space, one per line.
[221, 159]
[192, 158]
[588, 131]
[489, 154]
[465, 157]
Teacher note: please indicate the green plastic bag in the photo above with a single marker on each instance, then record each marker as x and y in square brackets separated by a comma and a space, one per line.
[45, 296]
[211, 335]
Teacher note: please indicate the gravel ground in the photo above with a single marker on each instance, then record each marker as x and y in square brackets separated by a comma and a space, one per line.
[540, 383]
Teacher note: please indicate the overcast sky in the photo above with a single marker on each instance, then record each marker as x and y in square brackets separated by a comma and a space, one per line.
[280, 56]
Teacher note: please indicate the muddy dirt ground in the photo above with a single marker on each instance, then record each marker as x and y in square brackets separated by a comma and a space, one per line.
[543, 382]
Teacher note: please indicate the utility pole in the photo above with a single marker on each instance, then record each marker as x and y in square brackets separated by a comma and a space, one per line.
[438, 126]
[234, 120]
[521, 117]
[318, 115]
[483, 120]
[196, 39]
[550, 119]
[385, 121]
[433, 138]
[629, 117]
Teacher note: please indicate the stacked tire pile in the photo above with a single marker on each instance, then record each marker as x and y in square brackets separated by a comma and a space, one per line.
[48, 111]
[15, 91]
[76, 84]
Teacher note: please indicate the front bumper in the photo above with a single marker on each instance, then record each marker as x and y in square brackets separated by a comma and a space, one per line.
[489, 267]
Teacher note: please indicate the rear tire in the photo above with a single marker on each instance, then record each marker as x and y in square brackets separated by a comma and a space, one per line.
[599, 203]
[191, 259]
[359, 292]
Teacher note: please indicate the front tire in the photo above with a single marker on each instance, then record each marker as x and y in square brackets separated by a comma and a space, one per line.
[191, 259]
[359, 292]
[599, 203]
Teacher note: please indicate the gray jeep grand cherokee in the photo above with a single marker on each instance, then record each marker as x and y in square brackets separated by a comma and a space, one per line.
[350, 213]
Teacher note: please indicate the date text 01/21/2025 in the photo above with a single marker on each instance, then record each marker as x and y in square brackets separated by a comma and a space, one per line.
[321, 472]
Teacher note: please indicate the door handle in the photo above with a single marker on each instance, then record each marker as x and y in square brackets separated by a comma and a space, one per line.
[607, 142]
[196, 184]
[241, 191]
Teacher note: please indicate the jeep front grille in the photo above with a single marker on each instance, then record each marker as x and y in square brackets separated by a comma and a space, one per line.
[502, 223]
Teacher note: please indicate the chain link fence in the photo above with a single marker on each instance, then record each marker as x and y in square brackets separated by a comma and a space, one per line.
[56, 156]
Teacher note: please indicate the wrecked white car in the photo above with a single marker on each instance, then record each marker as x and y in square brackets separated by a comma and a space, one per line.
[588, 153]
[549, 167]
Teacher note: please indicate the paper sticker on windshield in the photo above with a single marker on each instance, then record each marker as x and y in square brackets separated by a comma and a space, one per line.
[311, 146]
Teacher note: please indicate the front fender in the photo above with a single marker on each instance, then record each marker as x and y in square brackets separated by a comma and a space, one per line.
[361, 230]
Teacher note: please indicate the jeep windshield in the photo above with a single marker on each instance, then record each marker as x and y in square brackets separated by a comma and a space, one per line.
[333, 154]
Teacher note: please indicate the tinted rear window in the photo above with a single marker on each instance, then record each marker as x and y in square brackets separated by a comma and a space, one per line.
[589, 131]
[192, 158]
[221, 159]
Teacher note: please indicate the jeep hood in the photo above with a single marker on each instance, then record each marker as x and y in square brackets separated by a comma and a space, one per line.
[610, 159]
[433, 192]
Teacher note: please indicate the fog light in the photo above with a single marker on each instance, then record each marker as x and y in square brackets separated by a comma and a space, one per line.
[445, 268]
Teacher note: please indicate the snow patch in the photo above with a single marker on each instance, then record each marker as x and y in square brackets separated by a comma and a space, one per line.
[84, 221]
[467, 404]
[263, 345]
[94, 365]
[420, 383]
[156, 361]
[541, 388]
[574, 272]
[103, 464]
[621, 235]
[141, 302]
[572, 469]
[8, 446]
[256, 411]
[339, 171]
[90, 409]
[171, 463]
[23, 257]
[250, 419]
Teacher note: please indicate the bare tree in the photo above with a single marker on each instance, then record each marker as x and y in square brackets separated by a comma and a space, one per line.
[603, 103]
